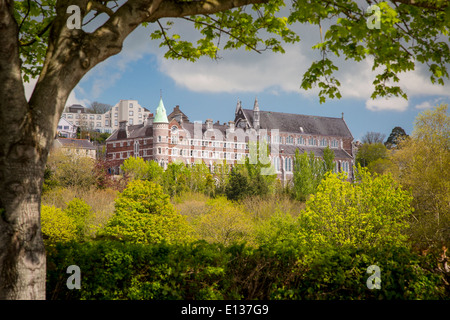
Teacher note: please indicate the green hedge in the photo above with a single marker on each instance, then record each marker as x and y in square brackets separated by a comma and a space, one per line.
[118, 270]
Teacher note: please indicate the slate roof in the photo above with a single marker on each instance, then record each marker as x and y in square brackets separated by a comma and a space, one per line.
[134, 131]
[75, 143]
[290, 122]
[176, 111]
[77, 107]
[189, 126]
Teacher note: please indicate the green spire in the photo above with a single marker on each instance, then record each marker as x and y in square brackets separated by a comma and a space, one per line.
[161, 116]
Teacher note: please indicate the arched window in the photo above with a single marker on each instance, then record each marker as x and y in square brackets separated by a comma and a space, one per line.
[288, 164]
[136, 148]
[276, 163]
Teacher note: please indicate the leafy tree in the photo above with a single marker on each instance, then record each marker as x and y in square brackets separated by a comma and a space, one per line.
[224, 222]
[49, 181]
[372, 212]
[422, 164]
[328, 159]
[136, 168]
[80, 212]
[397, 135]
[144, 214]
[309, 171]
[280, 229]
[199, 178]
[71, 170]
[249, 179]
[238, 186]
[175, 179]
[154, 172]
[221, 174]
[370, 152]
[41, 44]
[57, 225]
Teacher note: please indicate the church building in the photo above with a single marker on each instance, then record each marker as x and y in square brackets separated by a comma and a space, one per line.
[168, 138]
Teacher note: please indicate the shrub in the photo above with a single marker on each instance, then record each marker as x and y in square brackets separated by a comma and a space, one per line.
[80, 212]
[224, 222]
[144, 214]
[370, 212]
[56, 225]
[200, 271]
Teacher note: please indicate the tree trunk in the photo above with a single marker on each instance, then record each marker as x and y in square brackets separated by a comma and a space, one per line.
[22, 254]
[23, 154]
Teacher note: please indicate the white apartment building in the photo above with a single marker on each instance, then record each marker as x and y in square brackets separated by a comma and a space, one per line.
[125, 110]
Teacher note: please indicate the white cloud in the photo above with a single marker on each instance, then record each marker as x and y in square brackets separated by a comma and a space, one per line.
[424, 105]
[237, 73]
[382, 104]
[429, 104]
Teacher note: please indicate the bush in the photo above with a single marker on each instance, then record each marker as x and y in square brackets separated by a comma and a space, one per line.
[200, 271]
[56, 225]
[80, 212]
[373, 211]
[144, 214]
[224, 222]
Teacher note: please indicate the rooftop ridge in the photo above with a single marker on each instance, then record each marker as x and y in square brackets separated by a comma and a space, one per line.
[295, 114]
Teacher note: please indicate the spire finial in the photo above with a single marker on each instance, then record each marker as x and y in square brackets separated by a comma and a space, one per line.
[256, 105]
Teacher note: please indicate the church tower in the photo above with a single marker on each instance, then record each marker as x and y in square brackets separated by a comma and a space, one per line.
[256, 115]
[238, 107]
[161, 136]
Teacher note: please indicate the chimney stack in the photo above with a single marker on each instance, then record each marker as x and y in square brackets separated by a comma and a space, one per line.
[209, 124]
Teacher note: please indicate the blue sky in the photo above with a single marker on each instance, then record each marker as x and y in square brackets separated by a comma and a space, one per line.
[211, 89]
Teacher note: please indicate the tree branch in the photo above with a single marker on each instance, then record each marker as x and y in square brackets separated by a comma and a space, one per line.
[426, 4]
[40, 34]
[177, 9]
[224, 31]
[99, 7]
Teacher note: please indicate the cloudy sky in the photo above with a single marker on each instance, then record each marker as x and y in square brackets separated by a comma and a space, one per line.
[211, 89]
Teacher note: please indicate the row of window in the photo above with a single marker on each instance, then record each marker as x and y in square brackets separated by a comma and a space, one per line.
[63, 127]
[311, 141]
[275, 139]
[289, 162]
[84, 117]
[107, 122]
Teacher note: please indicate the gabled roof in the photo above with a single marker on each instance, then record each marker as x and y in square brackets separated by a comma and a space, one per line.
[64, 121]
[75, 143]
[134, 131]
[190, 127]
[177, 113]
[290, 122]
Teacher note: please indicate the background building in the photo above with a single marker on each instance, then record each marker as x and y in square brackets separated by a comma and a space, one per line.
[66, 129]
[76, 147]
[125, 110]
